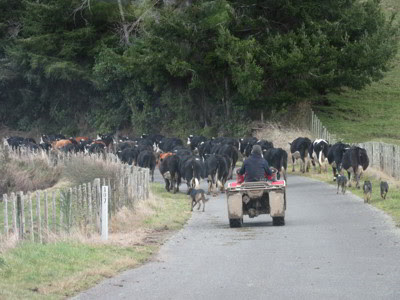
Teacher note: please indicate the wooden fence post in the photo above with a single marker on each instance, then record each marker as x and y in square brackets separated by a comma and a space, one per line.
[21, 214]
[5, 215]
[90, 191]
[14, 215]
[61, 209]
[32, 233]
[54, 212]
[39, 217]
[46, 216]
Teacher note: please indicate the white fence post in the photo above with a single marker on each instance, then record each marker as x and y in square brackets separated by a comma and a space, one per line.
[104, 213]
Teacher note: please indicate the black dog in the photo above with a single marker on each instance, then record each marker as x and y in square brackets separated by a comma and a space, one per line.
[367, 188]
[384, 189]
[197, 196]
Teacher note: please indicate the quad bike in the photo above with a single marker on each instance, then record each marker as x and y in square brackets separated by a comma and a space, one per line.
[256, 198]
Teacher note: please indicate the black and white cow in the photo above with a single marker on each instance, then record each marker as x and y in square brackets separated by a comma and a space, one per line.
[205, 148]
[264, 144]
[246, 141]
[355, 161]
[318, 152]
[299, 150]
[229, 151]
[335, 156]
[277, 158]
[192, 169]
[49, 138]
[194, 141]
[224, 168]
[211, 166]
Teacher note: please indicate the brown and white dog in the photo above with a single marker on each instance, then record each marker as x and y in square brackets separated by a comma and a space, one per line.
[197, 196]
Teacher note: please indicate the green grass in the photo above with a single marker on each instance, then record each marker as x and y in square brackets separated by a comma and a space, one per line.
[59, 270]
[370, 114]
[174, 214]
[54, 271]
[391, 205]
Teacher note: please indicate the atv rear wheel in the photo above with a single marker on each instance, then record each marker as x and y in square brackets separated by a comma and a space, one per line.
[278, 221]
[235, 223]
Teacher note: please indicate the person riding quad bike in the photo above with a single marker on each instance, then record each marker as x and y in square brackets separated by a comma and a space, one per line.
[256, 168]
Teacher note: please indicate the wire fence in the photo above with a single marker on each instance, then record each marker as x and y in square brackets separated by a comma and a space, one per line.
[40, 216]
[382, 156]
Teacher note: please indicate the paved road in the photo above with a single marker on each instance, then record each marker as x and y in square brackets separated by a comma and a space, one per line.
[332, 247]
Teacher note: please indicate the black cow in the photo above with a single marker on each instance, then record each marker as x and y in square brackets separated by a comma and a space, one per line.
[192, 169]
[225, 141]
[246, 141]
[155, 139]
[211, 166]
[335, 156]
[147, 159]
[299, 150]
[128, 155]
[224, 168]
[181, 151]
[168, 144]
[70, 148]
[169, 169]
[51, 138]
[277, 158]
[355, 161]
[265, 145]
[194, 141]
[107, 138]
[229, 151]
[95, 148]
[318, 152]
[205, 148]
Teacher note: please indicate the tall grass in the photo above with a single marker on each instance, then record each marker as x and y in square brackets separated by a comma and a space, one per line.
[26, 173]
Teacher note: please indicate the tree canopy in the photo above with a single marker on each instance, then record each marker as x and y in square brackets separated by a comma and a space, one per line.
[163, 65]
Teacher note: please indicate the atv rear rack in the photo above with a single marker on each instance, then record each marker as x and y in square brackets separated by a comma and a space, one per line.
[256, 186]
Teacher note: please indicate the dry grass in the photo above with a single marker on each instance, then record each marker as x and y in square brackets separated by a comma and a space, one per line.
[281, 134]
[83, 168]
[26, 173]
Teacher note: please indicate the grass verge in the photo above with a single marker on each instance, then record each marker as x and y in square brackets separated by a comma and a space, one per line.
[62, 269]
[371, 113]
[391, 205]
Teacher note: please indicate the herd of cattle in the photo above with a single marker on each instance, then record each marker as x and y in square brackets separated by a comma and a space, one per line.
[201, 158]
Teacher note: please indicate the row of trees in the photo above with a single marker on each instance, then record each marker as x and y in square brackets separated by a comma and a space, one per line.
[181, 65]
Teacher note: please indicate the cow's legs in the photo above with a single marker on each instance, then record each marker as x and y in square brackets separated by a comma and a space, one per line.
[204, 205]
[349, 176]
[357, 174]
[167, 184]
[293, 163]
[334, 173]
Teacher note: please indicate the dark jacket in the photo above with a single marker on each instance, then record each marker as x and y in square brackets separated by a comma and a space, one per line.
[255, 168]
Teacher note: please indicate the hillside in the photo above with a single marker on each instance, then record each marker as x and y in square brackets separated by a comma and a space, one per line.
[370, 114]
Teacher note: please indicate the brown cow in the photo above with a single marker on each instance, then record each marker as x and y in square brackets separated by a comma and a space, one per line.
[60, 143]
[162, 156]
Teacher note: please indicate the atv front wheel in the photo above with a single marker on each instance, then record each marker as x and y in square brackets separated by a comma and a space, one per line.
[278, 221]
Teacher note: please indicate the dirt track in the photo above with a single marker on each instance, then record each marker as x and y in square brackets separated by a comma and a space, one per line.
[332, 247]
